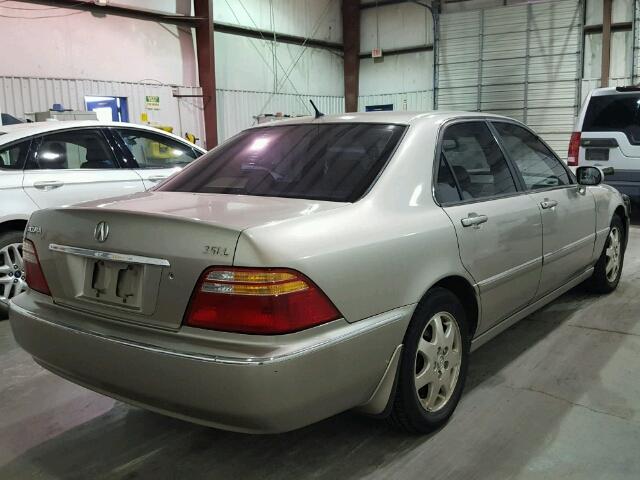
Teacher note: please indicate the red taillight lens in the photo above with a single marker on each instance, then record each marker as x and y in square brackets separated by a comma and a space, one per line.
[267, 301]
[574, 149]
[32, 269]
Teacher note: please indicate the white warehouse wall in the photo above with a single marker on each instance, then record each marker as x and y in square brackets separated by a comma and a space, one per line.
[113, 50]
[405, 80]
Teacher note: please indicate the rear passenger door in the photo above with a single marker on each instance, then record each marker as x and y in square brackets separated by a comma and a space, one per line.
[568, 212]
[156, 156]
[74, 166]
[498, 227]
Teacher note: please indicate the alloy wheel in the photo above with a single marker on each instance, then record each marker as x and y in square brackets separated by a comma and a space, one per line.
[12, 275]
[438, 360]
[612, 254]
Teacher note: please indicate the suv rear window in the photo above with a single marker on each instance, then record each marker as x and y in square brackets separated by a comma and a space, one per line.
[614, 113]
[335, 162]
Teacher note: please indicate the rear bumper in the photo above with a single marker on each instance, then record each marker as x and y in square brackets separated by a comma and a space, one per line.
[276, 392]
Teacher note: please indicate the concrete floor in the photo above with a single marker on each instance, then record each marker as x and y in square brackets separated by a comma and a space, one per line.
[556, 396]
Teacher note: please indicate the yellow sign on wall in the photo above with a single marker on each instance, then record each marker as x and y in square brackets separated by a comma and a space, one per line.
[152, 102]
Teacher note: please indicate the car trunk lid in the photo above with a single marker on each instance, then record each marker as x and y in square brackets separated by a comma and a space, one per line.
[138, 258]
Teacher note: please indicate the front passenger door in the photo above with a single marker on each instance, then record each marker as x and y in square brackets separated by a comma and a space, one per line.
[568, 212]
[498, 227]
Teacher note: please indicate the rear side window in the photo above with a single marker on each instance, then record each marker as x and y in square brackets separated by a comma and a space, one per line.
[476, 162]
[614, 113]
[12, 158]
[155, 151]
[72, 150]
[335, 162]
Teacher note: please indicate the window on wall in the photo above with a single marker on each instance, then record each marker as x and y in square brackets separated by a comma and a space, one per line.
[621, 41]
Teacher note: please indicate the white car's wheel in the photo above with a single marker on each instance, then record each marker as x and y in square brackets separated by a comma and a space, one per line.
[12, 275]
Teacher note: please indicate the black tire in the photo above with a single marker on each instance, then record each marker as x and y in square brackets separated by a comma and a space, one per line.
[407, 411]
[7, 238]
[600, 282]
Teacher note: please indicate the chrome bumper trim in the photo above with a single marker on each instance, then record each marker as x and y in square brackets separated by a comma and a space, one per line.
[116, 257]
[359, 328]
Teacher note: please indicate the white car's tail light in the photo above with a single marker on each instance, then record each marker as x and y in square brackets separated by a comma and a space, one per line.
[32, 268]
[267, 301]
[574, 149]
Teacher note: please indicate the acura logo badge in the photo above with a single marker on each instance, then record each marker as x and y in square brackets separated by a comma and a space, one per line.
[101, 232]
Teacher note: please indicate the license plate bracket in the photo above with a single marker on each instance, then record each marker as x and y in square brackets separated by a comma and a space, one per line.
[115, 283]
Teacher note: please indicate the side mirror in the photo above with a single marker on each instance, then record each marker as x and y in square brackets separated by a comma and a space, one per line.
[592, 175]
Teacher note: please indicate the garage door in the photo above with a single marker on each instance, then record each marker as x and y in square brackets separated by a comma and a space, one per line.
[522, 61]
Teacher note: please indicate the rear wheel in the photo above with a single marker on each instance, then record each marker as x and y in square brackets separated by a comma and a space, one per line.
[607, 271]
[434, 364]
[12, 276]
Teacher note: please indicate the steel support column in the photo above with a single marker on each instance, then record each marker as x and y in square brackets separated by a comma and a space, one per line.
[207, 68]
[351, 41]
[607, 6]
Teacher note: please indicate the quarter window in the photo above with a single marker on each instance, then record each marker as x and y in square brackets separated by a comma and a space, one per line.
[73, 149]
[155, 151]
[476, 161]
[11, 158]
[538, 166]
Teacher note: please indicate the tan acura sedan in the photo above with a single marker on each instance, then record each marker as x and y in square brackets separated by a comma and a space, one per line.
[317, 265]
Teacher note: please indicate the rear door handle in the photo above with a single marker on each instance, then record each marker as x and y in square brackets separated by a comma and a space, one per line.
[474, 220]
[546, 203]
[48, 184]
[157, 178]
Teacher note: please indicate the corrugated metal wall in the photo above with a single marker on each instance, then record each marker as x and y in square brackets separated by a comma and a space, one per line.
[522, 61]
[237, 108]
[409, 101]
[21, 95]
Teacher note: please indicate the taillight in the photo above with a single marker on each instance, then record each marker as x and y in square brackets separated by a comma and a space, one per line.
[32, 268]
[574, 149]
[265, 301]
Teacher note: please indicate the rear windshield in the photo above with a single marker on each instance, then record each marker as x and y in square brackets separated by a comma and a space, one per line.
[614, 113]
[335, 162]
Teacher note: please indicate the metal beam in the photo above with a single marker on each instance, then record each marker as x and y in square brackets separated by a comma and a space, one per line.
[207, 69]
[615, 27]
[607, 6]
[351, 39]
[279, 37]
[187, 21]
[121, 10]
[401, 51]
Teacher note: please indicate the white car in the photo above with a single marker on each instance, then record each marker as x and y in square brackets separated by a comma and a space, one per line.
[51, 164]
[607, 134]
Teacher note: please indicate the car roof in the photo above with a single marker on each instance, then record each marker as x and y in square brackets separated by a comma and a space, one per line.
[10, 133]
[599, 92]
[393, 117]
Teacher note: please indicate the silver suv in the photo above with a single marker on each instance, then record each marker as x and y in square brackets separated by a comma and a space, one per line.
[607, 134]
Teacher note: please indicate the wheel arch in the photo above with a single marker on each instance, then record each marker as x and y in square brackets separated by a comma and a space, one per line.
[468, 296]
[621, 212]
[18, 224]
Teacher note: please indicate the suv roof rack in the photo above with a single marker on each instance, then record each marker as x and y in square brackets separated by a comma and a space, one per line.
[629, 88]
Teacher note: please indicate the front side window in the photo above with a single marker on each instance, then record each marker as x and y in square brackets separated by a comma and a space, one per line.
[538, 166]
[12, 158]
[614, 113]
[156, 151]
[73, 149]
[335, 162]
[476, 161]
